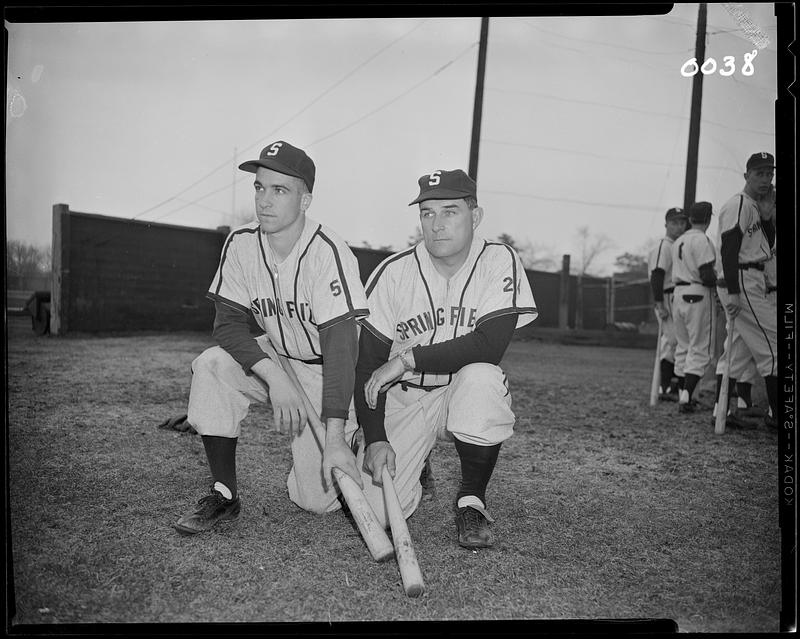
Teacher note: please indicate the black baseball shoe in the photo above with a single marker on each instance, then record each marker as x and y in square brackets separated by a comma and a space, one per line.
[687, 407]
[427, 480]
[473, 529]
[210, 509]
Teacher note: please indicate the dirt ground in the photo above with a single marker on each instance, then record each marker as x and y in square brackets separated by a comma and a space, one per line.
[606, 508]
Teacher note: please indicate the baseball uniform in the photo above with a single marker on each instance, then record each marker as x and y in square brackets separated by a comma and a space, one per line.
[693, 255]
[316, 286]
[411, 304]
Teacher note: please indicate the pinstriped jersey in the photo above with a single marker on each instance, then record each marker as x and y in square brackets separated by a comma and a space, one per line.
[316, 286]
[689, 252]
[661, 257]
[412, 304]
[741, 209]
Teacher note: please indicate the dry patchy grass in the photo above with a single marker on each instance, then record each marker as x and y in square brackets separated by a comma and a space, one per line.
[605, 507]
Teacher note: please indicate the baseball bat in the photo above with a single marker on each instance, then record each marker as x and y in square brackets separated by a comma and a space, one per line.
[378, 543]
[656, 368]
[403, 546]
[722, 401]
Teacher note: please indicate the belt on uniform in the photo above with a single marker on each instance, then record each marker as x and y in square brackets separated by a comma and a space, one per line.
[669, 290]
[771, 289]
[406, 385]
[759, 266]
[683, 283]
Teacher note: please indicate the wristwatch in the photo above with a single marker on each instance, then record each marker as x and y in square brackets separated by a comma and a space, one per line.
[404, 359]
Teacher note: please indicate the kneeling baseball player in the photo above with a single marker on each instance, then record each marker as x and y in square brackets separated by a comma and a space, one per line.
[300, 283]
[442, 314]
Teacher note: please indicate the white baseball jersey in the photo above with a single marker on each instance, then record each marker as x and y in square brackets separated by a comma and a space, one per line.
[741, 209]
[690, 251]
[661, 257]
[412, 304]
[316, 286]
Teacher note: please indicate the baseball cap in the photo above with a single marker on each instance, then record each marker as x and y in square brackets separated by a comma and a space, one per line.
[700, 212]
[676, 213]
[284, 158]
[445, 185]
[758, 160]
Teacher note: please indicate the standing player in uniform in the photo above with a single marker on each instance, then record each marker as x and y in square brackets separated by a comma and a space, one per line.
[693, 274]
[301, 285]
[442, 314]
[660, 263]
[746, 241]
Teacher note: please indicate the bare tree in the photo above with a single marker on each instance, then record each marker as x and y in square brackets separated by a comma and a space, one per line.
[590, 247]
[25, 260]
[533, 256]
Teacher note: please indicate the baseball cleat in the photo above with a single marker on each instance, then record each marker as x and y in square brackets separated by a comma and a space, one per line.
[427, 480]
[473, 529]
[687, 407]
[210, 509]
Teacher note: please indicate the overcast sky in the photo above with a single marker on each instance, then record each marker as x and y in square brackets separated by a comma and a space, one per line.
[585, 119]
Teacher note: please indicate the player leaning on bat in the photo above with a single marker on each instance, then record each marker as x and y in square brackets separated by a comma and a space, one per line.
[301, 285]
[442, 314]
[746, 240]
[660, 264]
[693, 274]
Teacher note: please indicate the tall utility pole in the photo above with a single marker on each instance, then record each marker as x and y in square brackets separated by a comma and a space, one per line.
[694, 118]
[478, 108]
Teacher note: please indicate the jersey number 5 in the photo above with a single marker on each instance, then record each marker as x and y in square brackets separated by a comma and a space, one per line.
[336, 288]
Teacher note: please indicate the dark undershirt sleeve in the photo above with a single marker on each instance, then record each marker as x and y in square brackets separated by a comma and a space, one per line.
[768, 227]
[372, 354]
[708, 276]
[729, 251]
[339, 344]
[487, 343]
[657, 276]
[234, 331]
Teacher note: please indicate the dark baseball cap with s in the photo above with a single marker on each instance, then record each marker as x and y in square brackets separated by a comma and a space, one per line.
[284, 158]
[759, 160]
[445, 185]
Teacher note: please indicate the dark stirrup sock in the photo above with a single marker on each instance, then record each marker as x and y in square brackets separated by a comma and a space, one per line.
[691, 383]
[477, 465]
[221, 454]
[772, 394]
[744, 391]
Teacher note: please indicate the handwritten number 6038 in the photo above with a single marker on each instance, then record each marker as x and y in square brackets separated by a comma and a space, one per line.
[690, 67]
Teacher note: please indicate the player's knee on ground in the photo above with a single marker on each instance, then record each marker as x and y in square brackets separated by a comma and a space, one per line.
[479, 408]
[211, 361]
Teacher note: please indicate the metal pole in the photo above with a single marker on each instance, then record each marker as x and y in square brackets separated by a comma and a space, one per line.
[478, 108]
[694, 118]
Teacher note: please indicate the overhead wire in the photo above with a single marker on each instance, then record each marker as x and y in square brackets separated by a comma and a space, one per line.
[278, 128]
[341, 129]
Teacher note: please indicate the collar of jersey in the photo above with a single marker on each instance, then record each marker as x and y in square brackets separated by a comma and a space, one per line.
[474, 251]
[307, 233]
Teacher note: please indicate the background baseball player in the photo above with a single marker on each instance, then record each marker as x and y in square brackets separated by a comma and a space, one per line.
[660, 264]
[301, 285]
[693, 274]
[746, 237]
[441, 316]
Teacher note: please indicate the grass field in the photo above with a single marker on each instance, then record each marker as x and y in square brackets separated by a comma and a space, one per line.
[605, 507]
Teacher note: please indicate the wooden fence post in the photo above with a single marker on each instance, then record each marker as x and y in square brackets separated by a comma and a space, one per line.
[563, 294]
[59, 297]
[579, 302]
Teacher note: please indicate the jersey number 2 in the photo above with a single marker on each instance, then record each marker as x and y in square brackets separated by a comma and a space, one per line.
[509, 287]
